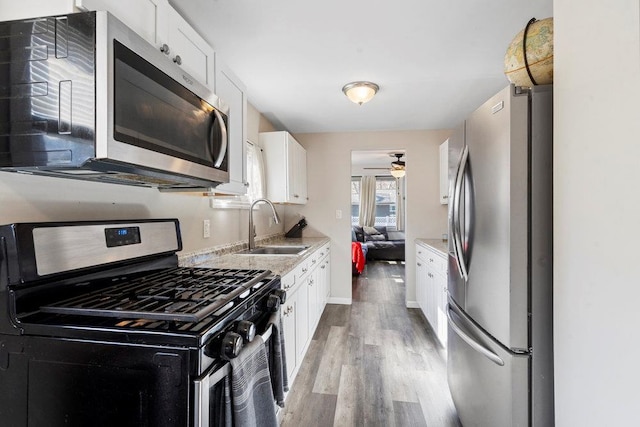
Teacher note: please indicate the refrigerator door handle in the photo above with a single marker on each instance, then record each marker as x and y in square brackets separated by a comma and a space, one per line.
[473, 343]
[457, 229]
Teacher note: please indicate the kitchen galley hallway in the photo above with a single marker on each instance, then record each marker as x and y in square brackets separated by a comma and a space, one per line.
[374, 363]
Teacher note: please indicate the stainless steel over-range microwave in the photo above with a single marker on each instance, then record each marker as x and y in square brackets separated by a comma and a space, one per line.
[83, 96]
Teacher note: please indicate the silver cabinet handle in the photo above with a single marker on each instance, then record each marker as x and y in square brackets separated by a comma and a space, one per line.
[165, 49]
[177, 60]
[473, 343]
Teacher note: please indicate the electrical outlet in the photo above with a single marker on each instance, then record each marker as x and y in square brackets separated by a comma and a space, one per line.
[206, 229]
[338, 214]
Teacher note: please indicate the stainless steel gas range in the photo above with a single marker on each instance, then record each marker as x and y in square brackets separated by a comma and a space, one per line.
[99, 325]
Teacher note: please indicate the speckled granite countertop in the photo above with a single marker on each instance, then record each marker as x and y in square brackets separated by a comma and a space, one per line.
[278, 264]
[437, 244]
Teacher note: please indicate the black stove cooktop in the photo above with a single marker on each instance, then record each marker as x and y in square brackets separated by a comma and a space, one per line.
[180, 295]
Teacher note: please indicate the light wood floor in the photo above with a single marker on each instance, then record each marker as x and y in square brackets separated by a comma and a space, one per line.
[374, 363]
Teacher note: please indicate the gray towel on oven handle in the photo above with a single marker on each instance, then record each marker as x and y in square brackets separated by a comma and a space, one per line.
[251, 394]
[279, 380]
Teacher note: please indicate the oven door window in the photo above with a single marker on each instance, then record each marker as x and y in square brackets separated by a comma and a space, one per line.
[153, 111]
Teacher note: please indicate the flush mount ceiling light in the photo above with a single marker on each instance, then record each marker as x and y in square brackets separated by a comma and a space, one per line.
[398, 166]
[360, 92]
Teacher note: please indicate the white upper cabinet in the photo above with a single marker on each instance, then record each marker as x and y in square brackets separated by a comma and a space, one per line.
[286, 168]
[189, 50]
[12, 9]
[444, 172]
[232, 92]
[148, 18]
[162, 26]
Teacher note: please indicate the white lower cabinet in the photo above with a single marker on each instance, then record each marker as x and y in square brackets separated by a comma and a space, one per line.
[307, 293]
[289, 313]
[431, 288]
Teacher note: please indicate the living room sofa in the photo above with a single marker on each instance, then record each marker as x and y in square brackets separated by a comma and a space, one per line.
[380, 243]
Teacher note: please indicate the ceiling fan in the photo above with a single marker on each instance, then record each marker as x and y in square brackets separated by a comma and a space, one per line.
[398, 166]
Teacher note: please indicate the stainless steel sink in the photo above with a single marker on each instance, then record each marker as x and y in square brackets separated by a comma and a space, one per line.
[275, 250]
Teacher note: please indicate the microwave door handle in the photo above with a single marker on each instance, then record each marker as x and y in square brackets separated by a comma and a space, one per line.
[223, 140]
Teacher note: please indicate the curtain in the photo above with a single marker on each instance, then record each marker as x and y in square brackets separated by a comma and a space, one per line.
[255, 172]
[400, 204]
[367, 201]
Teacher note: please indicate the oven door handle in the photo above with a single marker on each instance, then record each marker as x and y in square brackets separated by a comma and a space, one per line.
[225, 370]
[203, 387]
[201, 399]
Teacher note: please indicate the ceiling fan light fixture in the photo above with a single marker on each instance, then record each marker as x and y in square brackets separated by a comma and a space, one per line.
[397, 173]
[360, 92]
[398, 166]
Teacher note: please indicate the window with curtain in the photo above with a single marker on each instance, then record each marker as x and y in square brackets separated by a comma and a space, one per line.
[386, 195]
[255, 180]
[255, 172]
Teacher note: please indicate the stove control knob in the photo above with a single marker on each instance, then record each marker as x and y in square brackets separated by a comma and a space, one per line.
[273, 303]
[282, 294]
[231, 345]
[247, 330]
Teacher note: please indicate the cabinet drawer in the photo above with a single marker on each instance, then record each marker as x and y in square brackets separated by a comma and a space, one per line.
[288, 281]
[438, 262]
[433, 258]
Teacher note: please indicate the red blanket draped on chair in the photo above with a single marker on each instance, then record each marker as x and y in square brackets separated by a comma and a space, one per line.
[357, 256]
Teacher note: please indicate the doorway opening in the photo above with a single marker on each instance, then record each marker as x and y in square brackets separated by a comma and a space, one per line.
[378, 206]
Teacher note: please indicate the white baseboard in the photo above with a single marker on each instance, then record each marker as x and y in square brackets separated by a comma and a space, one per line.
[412, 304]
[335, 300]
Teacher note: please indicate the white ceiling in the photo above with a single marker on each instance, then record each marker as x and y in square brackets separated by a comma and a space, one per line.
[435, 61]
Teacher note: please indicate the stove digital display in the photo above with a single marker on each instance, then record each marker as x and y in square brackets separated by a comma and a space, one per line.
[122, 236]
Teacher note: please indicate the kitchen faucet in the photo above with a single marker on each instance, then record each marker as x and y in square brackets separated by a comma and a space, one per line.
[252, 228]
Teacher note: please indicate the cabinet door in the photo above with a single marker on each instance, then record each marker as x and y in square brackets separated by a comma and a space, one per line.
[301, 174]
[302, 319]
[324, 283]
[441, 287]
[289, 314]
[291, 170]
[421, 279]
[444, 172]
[432, 300]
[328, 278]
[296, 172]
[190, 51]
[312, 306]
[421, 285]
[148, 18]
[13, 10]
[232, 92]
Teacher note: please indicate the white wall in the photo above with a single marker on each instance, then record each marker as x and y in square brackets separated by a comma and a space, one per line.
[597, 207]
[26, 198]
[329, 178]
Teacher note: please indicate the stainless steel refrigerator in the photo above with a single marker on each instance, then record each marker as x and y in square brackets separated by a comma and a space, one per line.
[500, 339]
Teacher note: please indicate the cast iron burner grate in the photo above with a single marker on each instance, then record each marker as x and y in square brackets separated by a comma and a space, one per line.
[181, 295]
